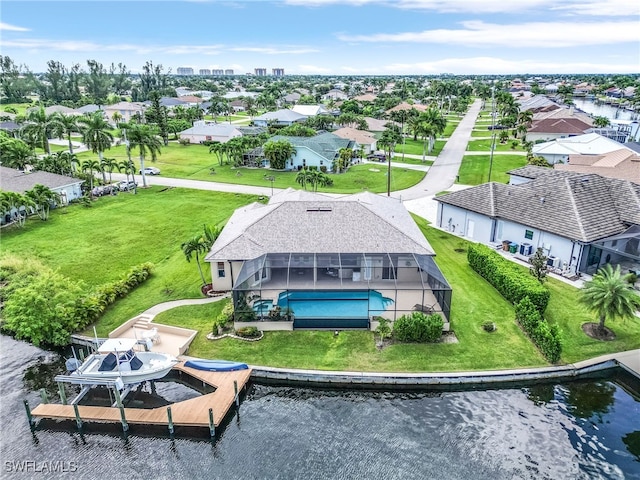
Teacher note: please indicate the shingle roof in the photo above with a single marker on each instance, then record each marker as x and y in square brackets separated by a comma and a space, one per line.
[215, 130]
[304, 222]
[576, 206]
[17, 181]
[589, 143]
[283, 115]
[325, 144]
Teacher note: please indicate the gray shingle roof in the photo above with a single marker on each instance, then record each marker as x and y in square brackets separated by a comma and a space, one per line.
[575, 206]
[303, 222]
[325, 144]
[17, 181]
[283, 115]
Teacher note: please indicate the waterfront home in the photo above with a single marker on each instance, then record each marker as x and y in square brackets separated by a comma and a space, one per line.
[335, 262]
[558, 150]
[581, 221]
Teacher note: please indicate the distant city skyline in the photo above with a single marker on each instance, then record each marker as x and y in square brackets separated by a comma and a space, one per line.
[332, 37]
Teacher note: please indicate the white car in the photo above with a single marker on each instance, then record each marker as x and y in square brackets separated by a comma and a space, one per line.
[150, 171]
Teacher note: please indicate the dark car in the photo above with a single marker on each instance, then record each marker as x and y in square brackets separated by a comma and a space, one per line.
[377, 157]
[497, 127]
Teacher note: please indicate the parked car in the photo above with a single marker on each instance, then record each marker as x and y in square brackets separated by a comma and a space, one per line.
[125, 186]
[150, 171]
[377, 157]
[496, 127]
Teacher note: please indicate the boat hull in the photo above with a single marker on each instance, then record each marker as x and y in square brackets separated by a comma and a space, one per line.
[215, 365]
[154, 366]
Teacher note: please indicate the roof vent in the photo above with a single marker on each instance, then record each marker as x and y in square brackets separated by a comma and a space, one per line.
[541, 200]
[319, 209]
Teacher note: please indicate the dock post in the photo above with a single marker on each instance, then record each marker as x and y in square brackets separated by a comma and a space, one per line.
[123, 418]
[235, 393]
[43, 395]
[30, 418]
[63, 394]
[212, 425]
[171, 429]
[78, 419]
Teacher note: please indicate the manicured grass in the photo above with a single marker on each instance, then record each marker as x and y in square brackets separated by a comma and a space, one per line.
[397, 158]
[194, 162]
[21, 108]
[451, 126]
[101, 243]
[415, 147]
[485, 145]
[480, 133]
[475, 168]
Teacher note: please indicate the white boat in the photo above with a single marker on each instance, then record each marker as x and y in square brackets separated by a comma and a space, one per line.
[117, 359]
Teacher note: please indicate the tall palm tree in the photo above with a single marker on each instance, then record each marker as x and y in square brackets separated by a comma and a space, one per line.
[15, 153]
[91, 166]
[108, 165]
[194, 247]
[39, 126]
[17, 205]
[301, 178]
[95, 133]
[145, 139]
[610, 296]
[42, 197]
[68, 125]
[388, 141]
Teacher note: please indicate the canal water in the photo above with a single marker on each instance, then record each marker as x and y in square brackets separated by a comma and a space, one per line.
[574, 430]
[604, 110]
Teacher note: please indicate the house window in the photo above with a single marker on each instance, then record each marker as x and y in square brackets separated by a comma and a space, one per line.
[528, 234]
[304, 162]
[221, 272]
[208, 137]
[321, 162]
[614, 243]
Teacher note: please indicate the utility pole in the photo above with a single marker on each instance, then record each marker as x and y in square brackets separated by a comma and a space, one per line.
[493, 129]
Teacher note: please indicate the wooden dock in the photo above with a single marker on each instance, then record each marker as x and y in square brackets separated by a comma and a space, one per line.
[192, 413]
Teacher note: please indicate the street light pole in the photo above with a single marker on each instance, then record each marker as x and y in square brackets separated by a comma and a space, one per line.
[271, 179]
[493, 129]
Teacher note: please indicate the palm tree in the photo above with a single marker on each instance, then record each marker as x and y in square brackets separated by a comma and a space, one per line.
[344, 159]
[195, 246]
[16, 201]
[15, 153]
[301, 178]
[90, 166]
[601, 122]
[95, 133]
[610, 296]
[217, 148]
[39, 126]
[388, 141]
[68, 125]
[108, 165]
[42, 197]
[147, 142]
[278, 152]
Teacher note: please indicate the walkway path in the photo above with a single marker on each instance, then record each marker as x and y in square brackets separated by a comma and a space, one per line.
[163, 307]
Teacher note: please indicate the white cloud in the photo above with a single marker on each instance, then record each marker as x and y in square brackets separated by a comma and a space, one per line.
[312, 69]
[539, 35]
[573, 7]
[12, 28]
[493, 65]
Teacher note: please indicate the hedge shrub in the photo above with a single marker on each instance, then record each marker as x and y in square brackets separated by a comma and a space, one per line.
[418, 327]
[545, 336]
[512, 283]
[248, 332]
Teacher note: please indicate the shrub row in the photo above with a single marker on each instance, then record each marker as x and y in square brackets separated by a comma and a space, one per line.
[512, 283]
[223, 318]
[418, 327]
[545, 336]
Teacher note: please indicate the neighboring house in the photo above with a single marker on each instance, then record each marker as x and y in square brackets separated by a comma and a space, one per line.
[537, 103]
[314, 254]
[623, 164]
[16, 181]
[581, 221]
[375, 124]
[127, 111]
[204, 130]
[89, 109]
[310, 110]
[283, 117]
[318, 151]
[168, 102]
[558, 150]
[10, 127]
[367, 97]
[407, 106]
[56, 109]
[335, 94]
[360, 137]
[291, 98]
[552, 128]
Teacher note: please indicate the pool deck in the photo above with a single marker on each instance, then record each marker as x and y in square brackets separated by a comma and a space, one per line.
[629, 361]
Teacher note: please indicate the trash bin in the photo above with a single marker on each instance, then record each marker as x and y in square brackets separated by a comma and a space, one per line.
[505, 245]
[513, 247]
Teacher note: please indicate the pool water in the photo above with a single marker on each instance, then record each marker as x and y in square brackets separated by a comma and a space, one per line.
[334, 303]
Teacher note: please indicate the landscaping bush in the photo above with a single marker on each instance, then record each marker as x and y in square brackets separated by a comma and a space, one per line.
[418, 327]
[545, 336]
[323, 168]
[248, 332]
[225, 316]
[512, 283]
[489, 326]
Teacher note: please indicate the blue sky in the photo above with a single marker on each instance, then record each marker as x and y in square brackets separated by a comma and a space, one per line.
[340, 37]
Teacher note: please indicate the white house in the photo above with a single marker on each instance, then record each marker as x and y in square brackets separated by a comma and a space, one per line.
[283, 117]
[575, 218]
[126, 110]
[204, 130]
[310, 110]
[558, 150]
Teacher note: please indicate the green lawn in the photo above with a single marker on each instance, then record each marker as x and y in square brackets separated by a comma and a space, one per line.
[480, 133]
[415, 147]
[451, 126]
[21, 108]
[194, 162]
[475, 168]
[101, 243]
[485, 145]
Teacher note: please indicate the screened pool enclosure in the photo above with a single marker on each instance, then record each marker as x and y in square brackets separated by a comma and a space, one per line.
[339, 290]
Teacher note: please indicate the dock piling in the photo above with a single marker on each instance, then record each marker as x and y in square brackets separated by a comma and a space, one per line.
[63, 394]
[30, 417]
[170, 418]
[235, 393]
[43, 395]
[123, 418]
[212, 425]
[78, 419]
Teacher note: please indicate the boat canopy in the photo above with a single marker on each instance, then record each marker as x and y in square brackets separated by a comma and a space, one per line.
[117, 345]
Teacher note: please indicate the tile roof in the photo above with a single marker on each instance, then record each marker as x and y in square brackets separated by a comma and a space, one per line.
[622, 164]
[589, 143]
[305, 222]
[559, 125]
[575, 206]
[361, 136]
[16, 181]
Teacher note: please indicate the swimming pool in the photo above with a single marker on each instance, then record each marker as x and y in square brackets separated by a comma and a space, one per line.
[358, 304]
